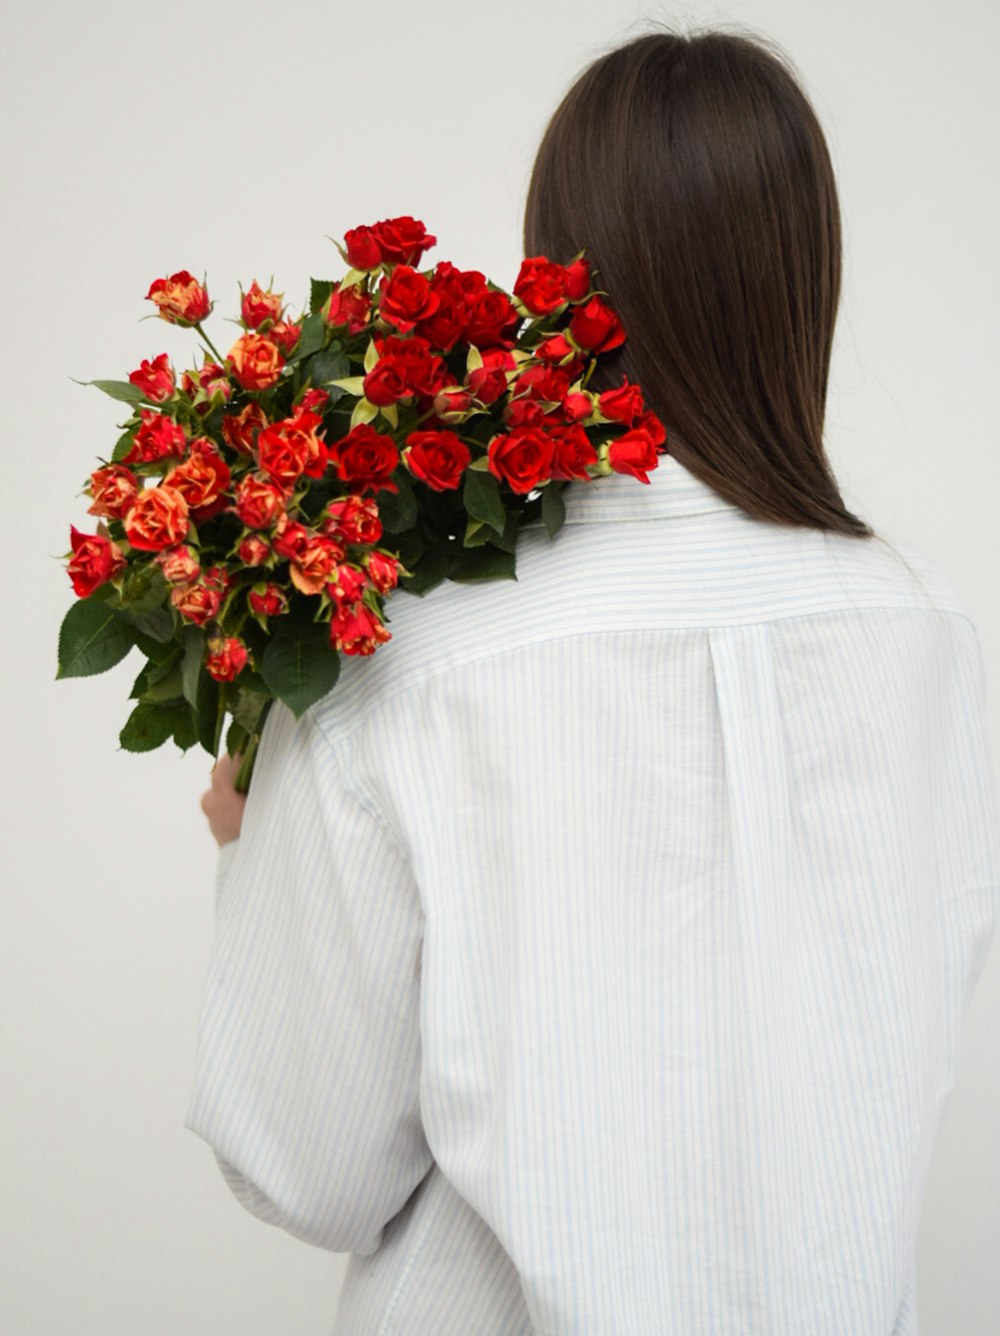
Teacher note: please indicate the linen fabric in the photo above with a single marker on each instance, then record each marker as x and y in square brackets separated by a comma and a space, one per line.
[594, 956]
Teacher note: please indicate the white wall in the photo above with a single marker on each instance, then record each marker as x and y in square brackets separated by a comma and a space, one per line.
[229, 138]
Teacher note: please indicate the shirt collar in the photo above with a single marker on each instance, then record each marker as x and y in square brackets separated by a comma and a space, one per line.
[672, 490]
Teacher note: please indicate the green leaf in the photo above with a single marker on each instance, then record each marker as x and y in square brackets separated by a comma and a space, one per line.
[553, 508]
[92, 639]
[398, 510]
[185, 728]
[169, 687]
[484, 563]
[123, 447]
[147, 727]
[328, 366]
[194, 650]
[311, 339]
[481, 498]
[248, 708]
[319, 290]
[475, 534]
[122, 390]
[300, 666]
[146, 588]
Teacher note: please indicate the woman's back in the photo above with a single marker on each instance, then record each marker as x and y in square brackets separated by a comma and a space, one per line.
[679, 859]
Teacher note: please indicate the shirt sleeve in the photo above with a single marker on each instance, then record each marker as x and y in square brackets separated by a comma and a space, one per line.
[307, 1082]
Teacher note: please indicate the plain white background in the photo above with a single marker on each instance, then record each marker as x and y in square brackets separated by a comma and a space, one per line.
[231, 139]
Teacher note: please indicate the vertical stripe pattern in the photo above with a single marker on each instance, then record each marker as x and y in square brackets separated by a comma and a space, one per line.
[593, 958]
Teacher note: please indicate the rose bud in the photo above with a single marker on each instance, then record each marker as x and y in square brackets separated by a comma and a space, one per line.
[452, 403]
[226, 658]
[383, 571]
[155, 379]
[93, 562]
[523, 412]
[114, 489]
[312, 400]
[259, 304]
[576, 407]
[348, 584]
[159, 437]
[179, 565]
[596, 327]
[285, 335]
[240, 429]
[622, 403]
[197, 603]
[348, 306]
[364, 250]
[290, 539]
[253, 551]
[578, 279]
[180, 299]
[267, 600]
[355, 629]
[207, 385]
[650, 423]
[489, 381]
[256, 362]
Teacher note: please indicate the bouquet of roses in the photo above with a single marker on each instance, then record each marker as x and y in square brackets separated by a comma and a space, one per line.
[255, 515]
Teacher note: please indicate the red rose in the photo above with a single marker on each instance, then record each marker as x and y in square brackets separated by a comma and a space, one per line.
[623, 403]
[240, 429]
[355, 629]
[523, 412]
[291, 447]
[256, 362]
[201, 480]
[364, 459]
[267, 600]
[438, 458]
[93, 562]
[633, 453]
[542, 383]
[113, 488]
[155, 379]
[157, 520]
[259, 503]
[348, 584]
[578, 279]
[290, 538]
[406, 298]
[285, 335]
[180, 299]
[596, 327]
[403, 240]
[421, 370]
[348, 306]
[489, 381]
[311, 400]
[648, 421]
[312, 566]
[364, 250]
[226, 658]
[353, 519]
[491, 318]
[574, 450]
[260, 304]
[578, 406]
[454, 289]
[383, 571]
[522, 457]
[179, 565]
[558, 351]
[452, 403]
[541, 285]
[253, 551]
[384, 384]
[159, 437]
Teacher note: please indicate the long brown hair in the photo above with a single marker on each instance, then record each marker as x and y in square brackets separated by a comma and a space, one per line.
[694, 172]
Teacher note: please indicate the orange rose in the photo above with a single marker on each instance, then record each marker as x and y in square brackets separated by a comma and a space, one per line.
[317, 559]
[256, 361]
[260, 304]
[180, 298]
[94, 561]
[240, 429]
[197, 603]
[356, 630]
[179, 565]
[114, 489]
[157, 520]
[226, 658]
[155, 379]
[201, 480]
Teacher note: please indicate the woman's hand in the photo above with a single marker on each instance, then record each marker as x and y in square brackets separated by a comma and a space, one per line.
[221, 803]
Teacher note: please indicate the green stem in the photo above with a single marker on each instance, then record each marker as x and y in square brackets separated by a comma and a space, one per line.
[215, 352]
[243, 774]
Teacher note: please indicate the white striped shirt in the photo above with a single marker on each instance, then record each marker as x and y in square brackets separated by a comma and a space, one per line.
[593, 958]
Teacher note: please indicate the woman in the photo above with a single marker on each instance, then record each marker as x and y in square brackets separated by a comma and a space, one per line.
[593, 959]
